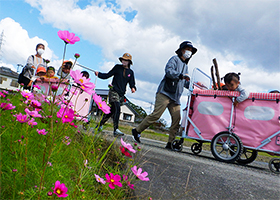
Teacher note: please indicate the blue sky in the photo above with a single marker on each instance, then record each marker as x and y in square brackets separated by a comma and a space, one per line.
[242, 35]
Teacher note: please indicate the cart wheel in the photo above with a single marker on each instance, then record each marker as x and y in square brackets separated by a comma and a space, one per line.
[226, 147]
[196, 148]
[177, 145]
[247, 156]
[274, 165]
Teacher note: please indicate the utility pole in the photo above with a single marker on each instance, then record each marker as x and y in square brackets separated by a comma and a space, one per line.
[1, 43]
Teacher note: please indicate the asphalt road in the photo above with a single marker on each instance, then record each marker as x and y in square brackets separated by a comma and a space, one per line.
[183, 175]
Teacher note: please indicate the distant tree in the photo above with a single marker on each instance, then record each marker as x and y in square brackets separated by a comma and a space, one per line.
[140, 111]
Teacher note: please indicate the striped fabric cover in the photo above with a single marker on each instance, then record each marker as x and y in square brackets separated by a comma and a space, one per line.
[266, 96]
[272, 96]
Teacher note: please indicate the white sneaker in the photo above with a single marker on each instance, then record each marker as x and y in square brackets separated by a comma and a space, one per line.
[118, 133]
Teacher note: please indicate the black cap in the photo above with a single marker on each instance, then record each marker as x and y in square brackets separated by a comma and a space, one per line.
[186, 44]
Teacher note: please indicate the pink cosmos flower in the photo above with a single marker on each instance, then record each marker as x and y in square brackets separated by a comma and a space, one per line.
[6, 92]
[125, 177]
[60, 189]
[36, 103]
[130, 185]
[82, 81]
[98, 179]
[125, 152]
[85, 164]
[139, 175]
[32, 113]
[27, 95]
[54, 88]
[32, 122]
[22, 118]
[113, 180]
[2, 94]
[42, 131]
[78, 77]
[66, 140]
[101, 104]
[48, 163]
[37, 86]
[67, 114]
[88, 87]
[77, 55]
[128, 146]
[7, 106]
[67, 37]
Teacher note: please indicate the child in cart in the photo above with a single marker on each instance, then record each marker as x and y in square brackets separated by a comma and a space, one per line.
[64, 70]
[50, 74]
[233, 84]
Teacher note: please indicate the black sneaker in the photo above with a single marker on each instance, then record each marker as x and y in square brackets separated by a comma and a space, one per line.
[168, 146]
[136, 135]
[117, 132]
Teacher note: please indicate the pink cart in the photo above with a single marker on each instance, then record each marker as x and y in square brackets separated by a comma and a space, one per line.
[235, 133]
[81, 100]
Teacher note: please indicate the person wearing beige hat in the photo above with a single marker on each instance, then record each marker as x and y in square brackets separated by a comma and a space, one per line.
[169, 92]
[122, 75]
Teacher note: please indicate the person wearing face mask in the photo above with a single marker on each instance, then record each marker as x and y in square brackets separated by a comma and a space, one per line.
[169, 92]
[122, 75]
[33, 61]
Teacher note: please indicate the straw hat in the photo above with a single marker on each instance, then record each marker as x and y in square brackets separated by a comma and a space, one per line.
[126, 56]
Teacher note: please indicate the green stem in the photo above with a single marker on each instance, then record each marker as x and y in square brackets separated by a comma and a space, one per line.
[64, 52]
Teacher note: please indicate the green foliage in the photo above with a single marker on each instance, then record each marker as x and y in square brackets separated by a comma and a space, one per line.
[31, 163]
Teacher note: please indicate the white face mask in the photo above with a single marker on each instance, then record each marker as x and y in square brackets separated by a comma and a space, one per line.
[125, 62]
[187, 54]
[40, 51]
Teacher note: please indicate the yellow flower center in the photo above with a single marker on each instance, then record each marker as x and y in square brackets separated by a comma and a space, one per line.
[112, 180]
[26, 96]
[100, 105]
[81, 80]
[66, 116]
[82, 87]
[58, 191]
[68, 40]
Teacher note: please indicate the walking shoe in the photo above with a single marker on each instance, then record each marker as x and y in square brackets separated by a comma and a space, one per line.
[117, 132]
[136, 135]
[168, 146]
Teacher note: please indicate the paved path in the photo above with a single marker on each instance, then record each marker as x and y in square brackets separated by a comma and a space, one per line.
[182, 175]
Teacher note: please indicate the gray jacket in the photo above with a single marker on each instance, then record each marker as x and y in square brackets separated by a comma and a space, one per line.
[172, 70]
[28, 71]
[243, 94]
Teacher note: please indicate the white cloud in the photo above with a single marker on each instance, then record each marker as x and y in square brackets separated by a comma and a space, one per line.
[17, 45]
[245, 31]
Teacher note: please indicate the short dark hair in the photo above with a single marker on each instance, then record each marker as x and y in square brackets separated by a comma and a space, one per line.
[40, 44]
[231, 76]
[51, 68]
[68, 65]
[85, 74]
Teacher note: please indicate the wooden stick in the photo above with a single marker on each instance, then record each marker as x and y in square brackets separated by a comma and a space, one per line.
[213, 78]
[217, 74]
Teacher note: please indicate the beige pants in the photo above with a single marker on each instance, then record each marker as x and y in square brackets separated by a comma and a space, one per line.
[163, 102]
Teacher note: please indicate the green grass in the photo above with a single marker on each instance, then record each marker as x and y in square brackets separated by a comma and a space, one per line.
[30, 163]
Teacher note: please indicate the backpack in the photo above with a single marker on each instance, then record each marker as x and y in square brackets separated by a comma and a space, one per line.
[24, 69]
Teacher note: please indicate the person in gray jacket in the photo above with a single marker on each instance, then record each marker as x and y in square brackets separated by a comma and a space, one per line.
[30, 68]
[169, 92]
